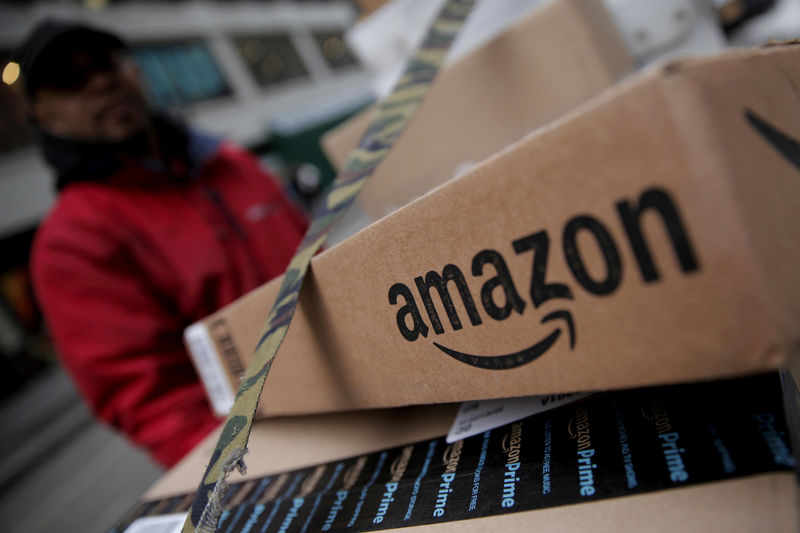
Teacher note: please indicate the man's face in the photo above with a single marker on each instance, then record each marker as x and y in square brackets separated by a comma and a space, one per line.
[106, 104]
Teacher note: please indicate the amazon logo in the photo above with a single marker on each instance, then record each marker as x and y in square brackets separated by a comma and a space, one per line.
[780, 141]
[418, 305]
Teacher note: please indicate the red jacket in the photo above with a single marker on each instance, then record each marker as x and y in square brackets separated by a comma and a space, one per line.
[122, 265]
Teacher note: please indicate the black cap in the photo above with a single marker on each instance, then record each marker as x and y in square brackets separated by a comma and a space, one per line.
[47, 57]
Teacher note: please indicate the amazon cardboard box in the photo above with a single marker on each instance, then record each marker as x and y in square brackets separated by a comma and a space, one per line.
[558, 55]
[651, 236]
[703, 457]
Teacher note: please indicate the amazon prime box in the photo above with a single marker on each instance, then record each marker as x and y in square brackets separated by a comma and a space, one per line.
[703, 457]
[649, 237]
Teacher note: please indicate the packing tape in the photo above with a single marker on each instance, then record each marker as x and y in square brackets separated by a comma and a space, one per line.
[609, 445]
[392, 116]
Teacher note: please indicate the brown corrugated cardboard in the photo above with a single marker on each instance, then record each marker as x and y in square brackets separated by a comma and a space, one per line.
[284, 443]
[558, 56]
[746, 498]
[649, 237]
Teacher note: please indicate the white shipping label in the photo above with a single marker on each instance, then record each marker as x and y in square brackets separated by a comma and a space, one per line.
[208, 364]
[168, 523]
[479, 416]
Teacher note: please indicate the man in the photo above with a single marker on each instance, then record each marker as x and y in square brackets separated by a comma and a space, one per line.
[155, 227]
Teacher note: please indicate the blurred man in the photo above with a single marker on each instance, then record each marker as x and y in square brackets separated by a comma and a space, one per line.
[155, 227]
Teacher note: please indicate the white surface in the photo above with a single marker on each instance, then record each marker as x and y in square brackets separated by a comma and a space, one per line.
[780, 23]
[26, 190]
[654, 31]
[142, 21]
[476, 417]
[385, 39]
[651, 30]
[207, 362]
[168, 523]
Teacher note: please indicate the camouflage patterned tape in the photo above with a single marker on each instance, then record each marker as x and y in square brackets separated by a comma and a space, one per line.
[392, 116]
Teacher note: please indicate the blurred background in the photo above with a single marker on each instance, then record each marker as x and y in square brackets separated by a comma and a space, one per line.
[273, 76]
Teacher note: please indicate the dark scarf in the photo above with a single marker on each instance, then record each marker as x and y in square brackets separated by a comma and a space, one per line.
[80, 162]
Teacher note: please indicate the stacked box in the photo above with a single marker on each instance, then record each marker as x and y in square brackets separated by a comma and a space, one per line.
[648, 237]
[712, 456]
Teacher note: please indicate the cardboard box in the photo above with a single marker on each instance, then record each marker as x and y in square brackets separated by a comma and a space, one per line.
[704, 457]
[286, 443]
[368, 6]
[649, 237]
[557, 56]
